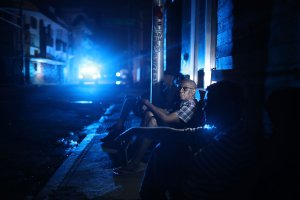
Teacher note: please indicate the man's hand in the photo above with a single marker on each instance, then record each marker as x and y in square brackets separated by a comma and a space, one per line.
[161, 113]
[146, 102]
[144, 108]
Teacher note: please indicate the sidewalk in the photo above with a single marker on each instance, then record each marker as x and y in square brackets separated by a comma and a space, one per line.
[87, 172]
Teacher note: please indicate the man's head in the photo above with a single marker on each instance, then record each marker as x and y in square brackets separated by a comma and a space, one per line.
[187, 89]
[168, 78]
[223, 103]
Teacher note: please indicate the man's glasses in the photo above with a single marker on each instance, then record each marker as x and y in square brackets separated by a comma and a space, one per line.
[186, 88]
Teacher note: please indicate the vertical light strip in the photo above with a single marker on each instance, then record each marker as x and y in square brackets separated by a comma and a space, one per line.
[207, 67]
[210, 39]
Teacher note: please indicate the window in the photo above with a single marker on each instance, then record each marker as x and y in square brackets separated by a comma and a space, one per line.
[34, 40]
[33, 22]
[59, 33]
[49, 31]
[58, 45]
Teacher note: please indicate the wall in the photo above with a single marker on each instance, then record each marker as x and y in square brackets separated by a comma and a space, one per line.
[193, 43]
[257, 45]
[284, 52]
[173, 35]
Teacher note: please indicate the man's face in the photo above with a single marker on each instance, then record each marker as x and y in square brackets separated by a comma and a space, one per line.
[187, 91]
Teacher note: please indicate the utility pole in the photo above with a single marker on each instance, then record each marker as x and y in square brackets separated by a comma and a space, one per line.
[157, 39]
[22, 42]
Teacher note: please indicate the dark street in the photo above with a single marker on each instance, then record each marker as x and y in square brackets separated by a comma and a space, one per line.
[39, 128]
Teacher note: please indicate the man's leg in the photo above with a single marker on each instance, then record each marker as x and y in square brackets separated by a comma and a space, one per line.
[128, 104]
[149, 120]
[145, 143]
[163, 174]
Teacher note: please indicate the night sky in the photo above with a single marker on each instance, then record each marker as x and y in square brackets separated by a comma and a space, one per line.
[114, 25]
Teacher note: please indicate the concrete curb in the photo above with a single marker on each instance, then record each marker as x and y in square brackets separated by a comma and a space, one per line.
[62, 172]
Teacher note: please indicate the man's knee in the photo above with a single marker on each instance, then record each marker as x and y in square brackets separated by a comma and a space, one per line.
[152, 122]
[147, 117]
[150, 119]
[148, 114]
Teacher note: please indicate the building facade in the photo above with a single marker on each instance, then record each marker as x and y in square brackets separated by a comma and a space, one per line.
[253, 43]
[46, 49]
[41, 44]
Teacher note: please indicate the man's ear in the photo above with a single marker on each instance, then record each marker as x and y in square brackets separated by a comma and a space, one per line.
[194, 91]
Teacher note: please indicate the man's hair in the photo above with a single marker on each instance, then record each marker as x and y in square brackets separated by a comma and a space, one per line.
[190, 82]
[170, 73]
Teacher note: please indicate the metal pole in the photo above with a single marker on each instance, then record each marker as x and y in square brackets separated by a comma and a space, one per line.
[157, 50]
[193, 55]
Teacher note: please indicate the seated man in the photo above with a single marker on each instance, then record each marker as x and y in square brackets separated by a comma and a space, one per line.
[160, 117]
[210, 162]
[166, 97]
[179, 118]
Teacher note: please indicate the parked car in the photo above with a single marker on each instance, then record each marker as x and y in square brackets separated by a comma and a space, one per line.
[89, 74]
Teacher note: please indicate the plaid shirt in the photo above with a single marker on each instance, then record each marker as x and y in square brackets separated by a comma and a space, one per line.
[187, 110]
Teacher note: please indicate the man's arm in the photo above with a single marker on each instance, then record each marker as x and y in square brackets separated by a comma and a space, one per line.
[168, 118]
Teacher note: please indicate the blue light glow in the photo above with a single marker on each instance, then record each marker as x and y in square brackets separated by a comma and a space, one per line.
[207, 76]
[95, 76]
[209, 127]
[82, 102]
